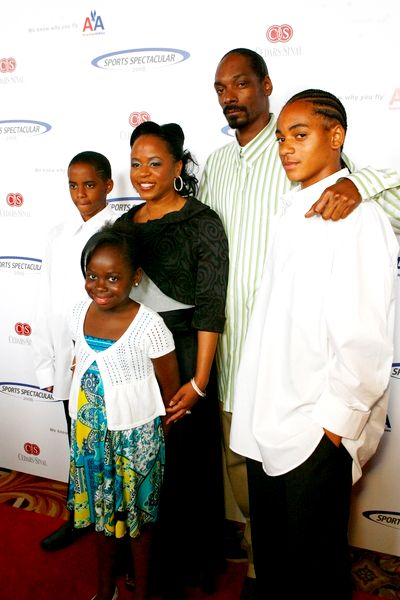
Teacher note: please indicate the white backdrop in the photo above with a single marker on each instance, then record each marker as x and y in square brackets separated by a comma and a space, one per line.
[78, 76]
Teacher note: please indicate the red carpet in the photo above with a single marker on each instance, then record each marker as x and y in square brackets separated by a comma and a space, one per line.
[29, 573]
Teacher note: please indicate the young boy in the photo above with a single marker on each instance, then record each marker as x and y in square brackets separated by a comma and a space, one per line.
[312, 388]
[62, 285]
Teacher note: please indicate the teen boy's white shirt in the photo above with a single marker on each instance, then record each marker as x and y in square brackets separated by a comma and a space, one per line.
[319, 348]
[61, 286]
[244, 184]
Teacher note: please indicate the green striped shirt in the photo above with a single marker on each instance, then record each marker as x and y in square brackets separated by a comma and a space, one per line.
[244, 185]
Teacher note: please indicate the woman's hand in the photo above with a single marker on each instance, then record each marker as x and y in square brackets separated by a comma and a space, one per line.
[186, 397]
[183, 401]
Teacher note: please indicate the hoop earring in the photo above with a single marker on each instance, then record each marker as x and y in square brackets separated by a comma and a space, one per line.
[181, 184]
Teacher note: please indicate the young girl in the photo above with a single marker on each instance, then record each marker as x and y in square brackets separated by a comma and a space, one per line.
[125, 371]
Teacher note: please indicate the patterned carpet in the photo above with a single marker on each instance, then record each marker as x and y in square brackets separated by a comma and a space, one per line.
[33, 493]
[373, 573]
[377, 574]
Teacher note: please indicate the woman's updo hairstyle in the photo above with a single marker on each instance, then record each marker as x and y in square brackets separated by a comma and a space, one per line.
[172, 134]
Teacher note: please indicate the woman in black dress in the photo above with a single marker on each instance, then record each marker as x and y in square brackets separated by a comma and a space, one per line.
[185, 259]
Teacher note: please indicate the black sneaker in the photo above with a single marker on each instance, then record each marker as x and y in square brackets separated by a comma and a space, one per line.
[249, 589]
[62, 537]
[233, 539]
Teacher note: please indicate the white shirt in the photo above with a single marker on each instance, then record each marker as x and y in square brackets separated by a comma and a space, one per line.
[319, 348]
[132, 395]
[244, 185]
[61, 286]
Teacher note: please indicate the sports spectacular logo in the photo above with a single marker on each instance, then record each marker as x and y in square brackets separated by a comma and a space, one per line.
[140, 59]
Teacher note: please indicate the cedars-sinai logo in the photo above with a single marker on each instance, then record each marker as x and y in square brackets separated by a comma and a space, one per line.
[31, 448]
[15, 199]
[279, 33]
[31, 454]
[23, 329]
[7, 65]
[140, 59]
[137, 118]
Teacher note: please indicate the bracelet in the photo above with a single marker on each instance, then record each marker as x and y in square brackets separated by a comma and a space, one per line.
[197, 389]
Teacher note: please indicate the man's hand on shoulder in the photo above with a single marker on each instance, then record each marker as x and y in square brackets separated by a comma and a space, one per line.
[337, 201]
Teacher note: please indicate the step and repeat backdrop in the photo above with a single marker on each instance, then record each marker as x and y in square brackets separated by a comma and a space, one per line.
[80, 76]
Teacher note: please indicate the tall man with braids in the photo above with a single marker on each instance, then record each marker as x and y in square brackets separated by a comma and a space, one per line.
[312, 388]
[243, 182]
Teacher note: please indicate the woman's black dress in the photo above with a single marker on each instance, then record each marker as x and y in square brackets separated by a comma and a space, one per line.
[185, 254]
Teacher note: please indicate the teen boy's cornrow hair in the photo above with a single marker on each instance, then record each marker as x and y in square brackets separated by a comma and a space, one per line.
[325, 104]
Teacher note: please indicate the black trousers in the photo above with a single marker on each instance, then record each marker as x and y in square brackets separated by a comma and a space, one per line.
[299, 524]
[68, 419]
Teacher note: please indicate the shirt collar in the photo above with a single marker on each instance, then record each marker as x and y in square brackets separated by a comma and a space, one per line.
[94, 223]
[305, 198]
[251, 151]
